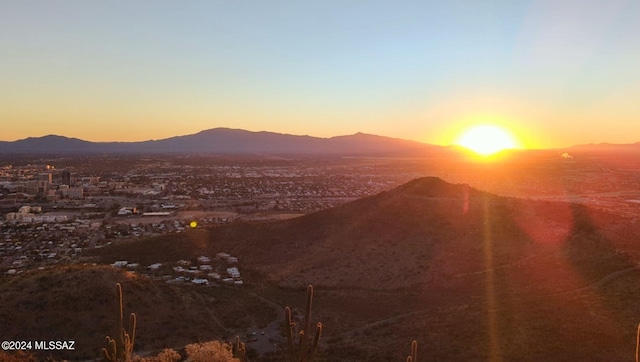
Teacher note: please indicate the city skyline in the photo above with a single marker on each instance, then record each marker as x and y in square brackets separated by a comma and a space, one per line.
[552, 74]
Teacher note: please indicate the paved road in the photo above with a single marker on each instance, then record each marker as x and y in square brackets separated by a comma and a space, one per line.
[267, 339]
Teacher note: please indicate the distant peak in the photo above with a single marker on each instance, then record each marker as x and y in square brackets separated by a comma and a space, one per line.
[432, 187]
[49, 136]
[358, 135]
[222, 129]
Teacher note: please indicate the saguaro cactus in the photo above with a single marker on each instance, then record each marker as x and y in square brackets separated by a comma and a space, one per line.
[306, 348]
[638, 343]
[120, 348]
[240, 350]
[413, 357]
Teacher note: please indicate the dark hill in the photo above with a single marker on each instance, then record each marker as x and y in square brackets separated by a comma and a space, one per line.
[418, 233]
[470, 275]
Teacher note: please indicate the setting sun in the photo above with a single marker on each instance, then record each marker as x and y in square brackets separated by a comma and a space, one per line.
[486, 140]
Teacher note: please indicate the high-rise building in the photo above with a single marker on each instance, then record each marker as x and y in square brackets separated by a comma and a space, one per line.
[66, 177]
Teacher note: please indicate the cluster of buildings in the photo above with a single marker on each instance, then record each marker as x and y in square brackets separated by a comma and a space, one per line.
[31, 240]
[49, 243]
[42, 185]
[204, 271]
[32, 214]
[51, 213]
[149, 182]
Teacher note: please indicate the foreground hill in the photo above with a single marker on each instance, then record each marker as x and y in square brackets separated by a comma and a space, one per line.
[78, 303]
[428, 260]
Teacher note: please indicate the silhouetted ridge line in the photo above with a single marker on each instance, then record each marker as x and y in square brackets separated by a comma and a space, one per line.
[225, 141]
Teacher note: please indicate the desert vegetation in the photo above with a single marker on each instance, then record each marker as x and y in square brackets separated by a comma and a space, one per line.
[120, 348]
[413, 356]
[305, 349]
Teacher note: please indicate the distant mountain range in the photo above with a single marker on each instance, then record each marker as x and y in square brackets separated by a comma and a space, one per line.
[606, 147]
[237, 141]
[223, 141]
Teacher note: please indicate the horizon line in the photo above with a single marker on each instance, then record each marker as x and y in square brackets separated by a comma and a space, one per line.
[603, 143]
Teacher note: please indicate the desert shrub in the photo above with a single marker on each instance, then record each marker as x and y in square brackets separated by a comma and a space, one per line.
[214, 351]
[167, 355]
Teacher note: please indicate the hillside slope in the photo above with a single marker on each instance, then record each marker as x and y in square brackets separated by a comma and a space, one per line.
[420, 233]
[427, 260]
[79, 303]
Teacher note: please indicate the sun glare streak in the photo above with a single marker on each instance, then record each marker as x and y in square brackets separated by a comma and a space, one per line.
[492, 308]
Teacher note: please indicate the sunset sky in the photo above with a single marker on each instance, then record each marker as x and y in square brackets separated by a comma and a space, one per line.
[553, 72]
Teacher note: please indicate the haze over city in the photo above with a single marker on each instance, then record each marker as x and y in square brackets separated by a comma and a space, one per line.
[553, 74]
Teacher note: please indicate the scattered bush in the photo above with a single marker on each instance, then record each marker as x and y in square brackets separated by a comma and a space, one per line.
[18, 356]
[214, 351]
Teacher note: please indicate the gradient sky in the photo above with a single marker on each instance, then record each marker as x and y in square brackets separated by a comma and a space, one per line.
[555, 72]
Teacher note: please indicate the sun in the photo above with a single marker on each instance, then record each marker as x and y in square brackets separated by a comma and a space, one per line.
[486, 140]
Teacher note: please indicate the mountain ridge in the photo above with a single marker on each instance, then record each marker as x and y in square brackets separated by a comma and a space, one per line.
[225, 141]
[606, 147]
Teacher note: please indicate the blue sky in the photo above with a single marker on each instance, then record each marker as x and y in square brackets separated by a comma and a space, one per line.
[553, 72]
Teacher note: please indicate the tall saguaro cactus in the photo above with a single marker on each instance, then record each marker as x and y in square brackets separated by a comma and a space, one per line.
[240, 350]
[638, 344]
[306, 348]
[120, 348]
[413, 357]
